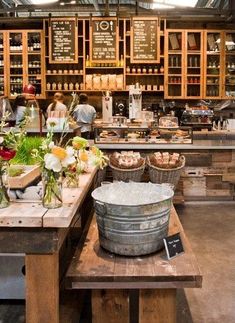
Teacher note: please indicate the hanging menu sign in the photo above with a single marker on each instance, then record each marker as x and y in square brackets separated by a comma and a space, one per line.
[63, 44]
[145, 40]
[104, 41]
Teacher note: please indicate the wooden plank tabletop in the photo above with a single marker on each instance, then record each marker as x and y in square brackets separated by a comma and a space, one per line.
[27, 214]
[96, 268]
[72, 198]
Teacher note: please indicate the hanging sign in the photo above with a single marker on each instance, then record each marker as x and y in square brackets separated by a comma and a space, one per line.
[63, 41]
[145, 40]
[104, 40]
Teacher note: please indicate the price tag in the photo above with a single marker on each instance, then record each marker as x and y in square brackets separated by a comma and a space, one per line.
[173, 245]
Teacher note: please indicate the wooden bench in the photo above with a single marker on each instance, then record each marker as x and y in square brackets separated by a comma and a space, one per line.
[111, 278]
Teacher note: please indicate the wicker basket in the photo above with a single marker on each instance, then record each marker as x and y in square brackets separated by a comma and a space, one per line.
[161, 175]
[127, 175]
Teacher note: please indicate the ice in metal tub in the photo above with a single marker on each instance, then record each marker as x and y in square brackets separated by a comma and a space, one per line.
[132, 218]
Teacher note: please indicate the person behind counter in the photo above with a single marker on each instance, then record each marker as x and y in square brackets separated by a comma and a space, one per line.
[19, 108]
[57, 104]
[84, 114]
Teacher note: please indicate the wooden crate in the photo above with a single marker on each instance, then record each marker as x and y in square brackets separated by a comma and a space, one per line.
[31, 172]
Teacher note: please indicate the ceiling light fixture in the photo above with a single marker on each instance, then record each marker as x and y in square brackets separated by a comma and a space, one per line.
[62, 3]
[169, 4]
[43, 1]
[73, 2]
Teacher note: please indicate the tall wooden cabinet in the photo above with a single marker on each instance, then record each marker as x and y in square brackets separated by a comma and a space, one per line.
[213, 64]
[229, 77]
[184, 72]
[3, 70]
[26, 61]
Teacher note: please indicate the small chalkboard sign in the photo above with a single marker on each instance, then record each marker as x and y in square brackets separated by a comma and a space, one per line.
[173, 245]
[104, 40]
[63, 45]
[145, 40]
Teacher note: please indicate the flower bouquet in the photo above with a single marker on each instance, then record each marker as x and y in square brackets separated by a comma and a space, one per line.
[55, 161]
[9, 143]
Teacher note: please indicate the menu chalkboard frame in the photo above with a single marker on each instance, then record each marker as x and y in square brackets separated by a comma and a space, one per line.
[157, 58]
[72, 61]
[100, 61]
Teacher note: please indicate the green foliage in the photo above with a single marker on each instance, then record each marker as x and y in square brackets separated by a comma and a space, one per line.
[15, 171]
[24, 151]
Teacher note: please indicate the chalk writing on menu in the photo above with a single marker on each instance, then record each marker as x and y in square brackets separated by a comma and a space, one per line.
[104, 40]
[145, 40]
[62, 40]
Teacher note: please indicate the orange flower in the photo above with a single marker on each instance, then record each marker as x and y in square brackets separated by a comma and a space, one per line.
[83, 155]
[76, 145]
[59, 152]
[94, 150]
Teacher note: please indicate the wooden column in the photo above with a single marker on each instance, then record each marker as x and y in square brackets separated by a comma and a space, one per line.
[110, 306]
[158, 306]
[42, 288]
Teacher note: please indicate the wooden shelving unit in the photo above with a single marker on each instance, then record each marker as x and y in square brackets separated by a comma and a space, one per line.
[193, 64]
[25, 64]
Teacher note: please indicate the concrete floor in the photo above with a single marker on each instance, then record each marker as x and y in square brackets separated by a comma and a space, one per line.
[211, 231]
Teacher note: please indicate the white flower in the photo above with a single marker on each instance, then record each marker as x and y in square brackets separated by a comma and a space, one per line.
[51, 145]
[52, 122]
[69, 159]
[1, 140]
[52, 163]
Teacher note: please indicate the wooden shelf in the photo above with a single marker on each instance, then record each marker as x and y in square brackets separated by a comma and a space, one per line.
[145, 74]
[63, 74]
[104, 67]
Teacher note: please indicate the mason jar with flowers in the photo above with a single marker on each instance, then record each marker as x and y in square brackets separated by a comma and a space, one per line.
[54, 161]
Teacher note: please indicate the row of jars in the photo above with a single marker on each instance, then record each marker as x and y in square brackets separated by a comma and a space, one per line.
[144, 70]
[64, 86]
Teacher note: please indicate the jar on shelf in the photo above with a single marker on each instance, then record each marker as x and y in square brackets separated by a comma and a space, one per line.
[59, 86]
[66, 86]
[54, 86]
[71, 86]
[139, 70]
[128, 69]
[76, 86]
[155, 70]
[144, 70]
[133, 70]
[48, 86]
[81, 86]
[150, 70]
[161, 69]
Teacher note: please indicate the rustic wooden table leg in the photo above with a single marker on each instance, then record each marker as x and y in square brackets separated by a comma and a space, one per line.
[42, 288]
[157, 305]
[110, 306]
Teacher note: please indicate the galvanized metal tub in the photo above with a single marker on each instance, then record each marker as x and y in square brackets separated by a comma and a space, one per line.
[136, 229]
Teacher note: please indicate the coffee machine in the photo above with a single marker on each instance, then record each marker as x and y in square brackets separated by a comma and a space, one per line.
[135, 102]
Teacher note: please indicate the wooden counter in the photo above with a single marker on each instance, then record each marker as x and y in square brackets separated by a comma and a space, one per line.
[111, 276]
[42, 235]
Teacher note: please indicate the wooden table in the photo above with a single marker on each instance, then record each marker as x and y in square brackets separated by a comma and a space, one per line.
[41, 234]
[111, 277]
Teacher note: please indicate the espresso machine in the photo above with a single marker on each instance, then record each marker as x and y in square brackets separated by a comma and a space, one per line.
[107, 106]
[135, 102]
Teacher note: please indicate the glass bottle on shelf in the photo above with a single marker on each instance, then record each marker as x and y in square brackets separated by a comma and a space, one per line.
[88, 63]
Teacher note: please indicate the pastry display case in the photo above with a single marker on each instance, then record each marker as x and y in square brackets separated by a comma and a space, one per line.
[138, 134]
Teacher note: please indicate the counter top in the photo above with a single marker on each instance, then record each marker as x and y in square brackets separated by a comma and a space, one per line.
[33, 214]
[197, 144]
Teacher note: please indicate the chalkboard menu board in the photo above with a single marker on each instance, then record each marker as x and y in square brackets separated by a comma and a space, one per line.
[104, 41]
[63, 41]
[145, 40]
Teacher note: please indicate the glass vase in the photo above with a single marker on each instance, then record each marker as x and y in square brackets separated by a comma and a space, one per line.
[52, 189]
[4, 198]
